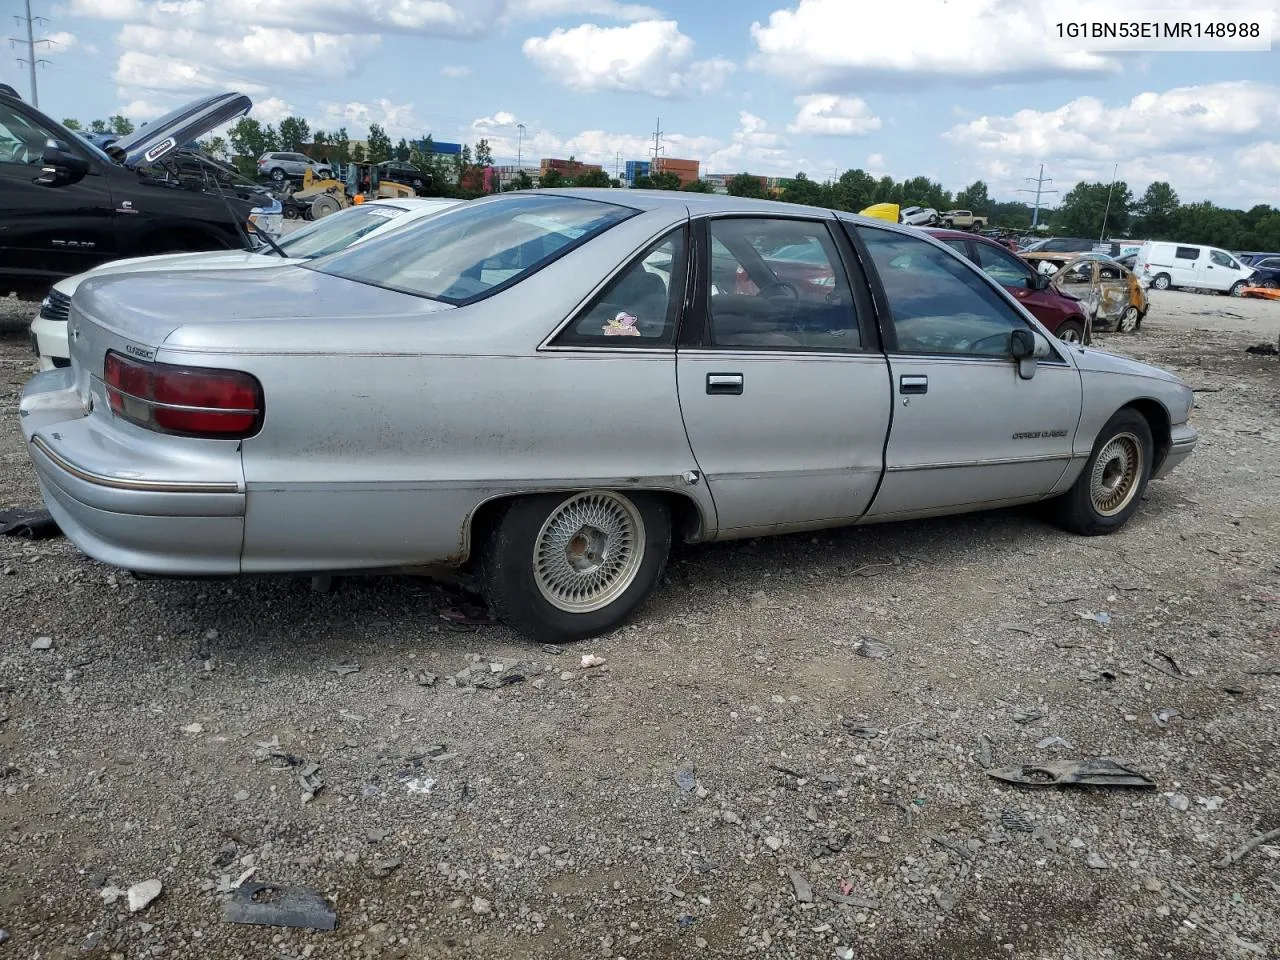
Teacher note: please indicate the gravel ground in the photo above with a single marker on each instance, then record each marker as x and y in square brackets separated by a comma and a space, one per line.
[736, 779]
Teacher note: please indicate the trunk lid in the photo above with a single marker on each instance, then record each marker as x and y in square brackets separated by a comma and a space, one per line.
[178, 127]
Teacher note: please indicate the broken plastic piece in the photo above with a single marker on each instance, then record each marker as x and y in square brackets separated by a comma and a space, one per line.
[1101, 772]
[265, 904]
[32, 524]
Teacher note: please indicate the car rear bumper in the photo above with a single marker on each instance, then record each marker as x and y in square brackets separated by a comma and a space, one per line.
[1184, 440]
[112, 498]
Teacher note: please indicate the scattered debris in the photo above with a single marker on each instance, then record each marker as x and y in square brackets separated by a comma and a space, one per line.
[468, 615]
[861, 730]
[985, 758]
[1248, 847]
[42, 643]
[501, 677]
[1159, 660]
[1101, 617]
[1095, 862]
[193, 728]
[800, 886]
[1018, 628]
[382, 868]
[849, 900]
[426, 678]
[686, 777]
[1210, 803]
[142, 895]
[1028, 716]
[480, 906]
[3, 936]
[110, 894]
[1164, 715]
[1263, 350]
[29, 524]
[872, 648]
[1016, 821]
[419, 785]
[1179, 801]
[345, 667]
[1054, 743]
[265, 904]
[1101, 772]
[309, 778]
[590, 660]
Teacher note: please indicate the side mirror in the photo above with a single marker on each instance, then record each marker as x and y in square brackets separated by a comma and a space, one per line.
[1038, 281]
[61, 166]
[1024, 350]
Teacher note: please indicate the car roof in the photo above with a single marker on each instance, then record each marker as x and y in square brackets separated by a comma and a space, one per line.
[706, 204]
[942, 233]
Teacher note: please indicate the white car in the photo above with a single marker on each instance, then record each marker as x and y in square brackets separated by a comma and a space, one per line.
[1163, 265]
[333, 233]
[918, 216]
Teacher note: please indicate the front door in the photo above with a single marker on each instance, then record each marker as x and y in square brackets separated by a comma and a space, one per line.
[47, 232]
[1218, 270]
[968, 432]
[784, 391]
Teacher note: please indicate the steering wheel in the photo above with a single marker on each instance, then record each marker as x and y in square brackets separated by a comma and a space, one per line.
[782, 286]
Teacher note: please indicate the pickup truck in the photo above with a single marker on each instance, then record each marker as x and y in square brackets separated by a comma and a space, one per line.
[963, 220]
[67, 205]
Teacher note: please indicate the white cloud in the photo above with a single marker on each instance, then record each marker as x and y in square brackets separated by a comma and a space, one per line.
[255, 48]
[397, 119]
[875, 164]
[835, 42]
[60, 42]
[1184, 118]
[1208, 141]
[755, 150]
[533, 9]
[830, 115]
[648, 56]
[455, 72]
[498, 121]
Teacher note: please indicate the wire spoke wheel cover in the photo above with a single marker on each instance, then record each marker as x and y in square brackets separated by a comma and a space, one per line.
[588, 551]
[1117, 474]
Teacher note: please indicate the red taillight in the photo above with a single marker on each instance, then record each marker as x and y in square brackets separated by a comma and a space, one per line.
[192, 401]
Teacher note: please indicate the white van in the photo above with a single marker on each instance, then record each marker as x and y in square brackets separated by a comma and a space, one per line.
[1164, 265]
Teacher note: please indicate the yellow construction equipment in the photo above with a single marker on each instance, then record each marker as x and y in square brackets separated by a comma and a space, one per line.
[322, 197]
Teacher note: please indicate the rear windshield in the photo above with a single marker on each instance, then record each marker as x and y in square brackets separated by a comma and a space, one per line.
[476, 249]
[337, 231]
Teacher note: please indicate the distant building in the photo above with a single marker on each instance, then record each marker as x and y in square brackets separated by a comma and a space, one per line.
[568, 168]
[686, 170]
[635, 170]
[504, 175]
[438, 146]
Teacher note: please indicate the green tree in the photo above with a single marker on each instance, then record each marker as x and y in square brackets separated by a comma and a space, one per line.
[522, 181]
[71, 124]
[1085, 207]
[249, 138]
[402, 151]
[1265, 234]
[593, 178]
[294, 133]
[341, 146]
[484, 155]
[1012, 214]
[974, 197]
[215, 147]
[697, 186]
[379, 144]
[745, 185]
[801, 189]
[98, 126]
[551, 178]
[853, 190]
[642, 182]
[886, 191]
[120, 126]
[357, 153]
[1209, 224]
[1156, 211]
[665, 180]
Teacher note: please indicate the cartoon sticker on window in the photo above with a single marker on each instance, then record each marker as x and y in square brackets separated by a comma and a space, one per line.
[623, 325]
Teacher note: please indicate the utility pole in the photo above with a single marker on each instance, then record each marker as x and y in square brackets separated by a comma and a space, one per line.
[519, 146]
[31, 41]
[617, 164]
[1039, 181]
[657, 146]
[1107, 212]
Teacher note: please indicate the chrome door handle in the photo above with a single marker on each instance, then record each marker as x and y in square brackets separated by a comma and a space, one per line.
[913, 384]
[724, 384]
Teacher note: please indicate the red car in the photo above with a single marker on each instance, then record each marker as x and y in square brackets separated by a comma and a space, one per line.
[1061, 315]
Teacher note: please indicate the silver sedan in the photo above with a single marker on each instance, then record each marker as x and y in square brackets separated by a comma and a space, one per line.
[546, 388]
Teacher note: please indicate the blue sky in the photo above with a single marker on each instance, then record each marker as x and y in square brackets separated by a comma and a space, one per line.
[953, 89]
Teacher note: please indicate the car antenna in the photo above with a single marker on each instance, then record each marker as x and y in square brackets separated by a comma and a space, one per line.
[244, 234]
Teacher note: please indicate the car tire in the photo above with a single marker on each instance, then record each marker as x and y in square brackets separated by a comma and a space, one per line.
[1129, 320]
[1237, 288]
[1071, 331]
[533, 585]
[1161, 281]
[276, 175]
[1110, 488]
[291, 212]
[1270, 284]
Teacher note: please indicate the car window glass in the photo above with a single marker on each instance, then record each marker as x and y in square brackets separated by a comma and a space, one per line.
[938, 304]
[1002, 266]
[638, 307]
[957, 246]
[1107, 271]
[1271, 263]
[1081, 272]
[778, 284]
[1222, 260]
[474, 250]
[21, 140]
[1187, 253]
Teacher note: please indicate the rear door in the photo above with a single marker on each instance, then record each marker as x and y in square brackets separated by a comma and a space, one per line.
[47, 232]
[968, 432]
[1184, 271]
[784, 390]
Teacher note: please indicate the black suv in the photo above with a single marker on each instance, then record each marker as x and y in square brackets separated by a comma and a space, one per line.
[67, 206]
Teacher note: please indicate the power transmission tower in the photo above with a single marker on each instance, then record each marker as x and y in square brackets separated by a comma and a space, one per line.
[617, 164]
[1039, 181]
[31, 42]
